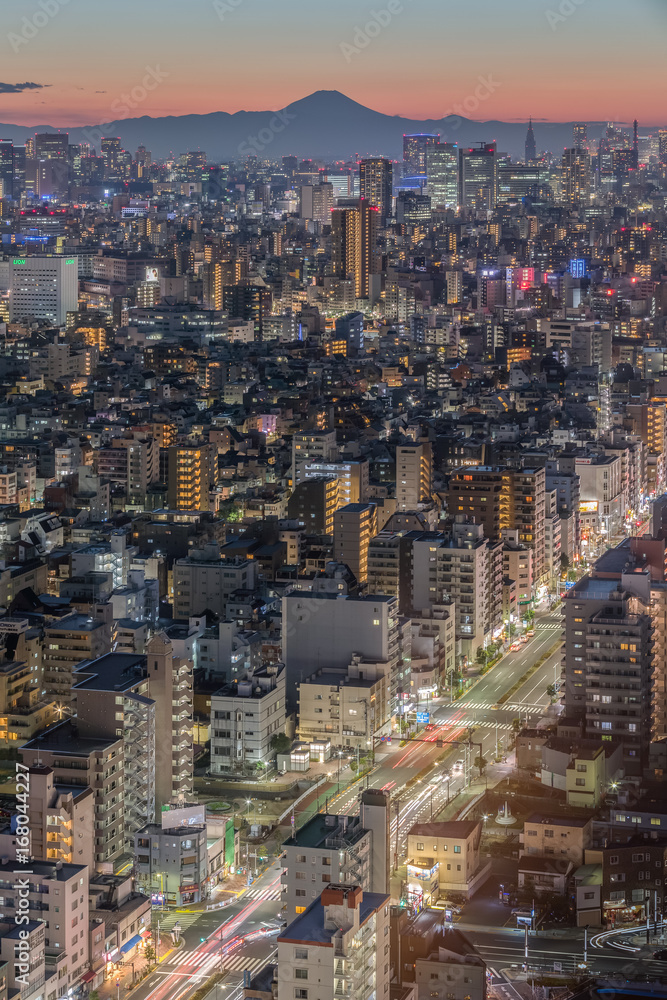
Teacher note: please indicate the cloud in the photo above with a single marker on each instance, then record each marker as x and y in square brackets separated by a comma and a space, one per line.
[18, 88]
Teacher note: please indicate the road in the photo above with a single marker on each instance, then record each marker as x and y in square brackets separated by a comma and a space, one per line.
[478, 708]
[242, 936]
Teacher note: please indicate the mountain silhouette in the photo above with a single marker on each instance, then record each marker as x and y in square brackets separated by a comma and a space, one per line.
[326, 125]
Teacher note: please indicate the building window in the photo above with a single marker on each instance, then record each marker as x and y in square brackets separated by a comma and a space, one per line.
[301, 973]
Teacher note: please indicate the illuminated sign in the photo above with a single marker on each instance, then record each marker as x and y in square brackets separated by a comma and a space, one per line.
[72, 260]
[152, 274]
[17, 261]
[588, 507]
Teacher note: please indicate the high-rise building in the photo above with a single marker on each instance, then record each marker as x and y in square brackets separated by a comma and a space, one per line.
[313, 504]
[531, 147]
[580, 135]
[442, 168]
[608, 663]
[44, 287]
[354, 251]
[354, 526]
[51, 146]
[312, 446]
[316, 202]
[6, 168]
[189, 477]
[375, 180]
[576, 176]
[478, 179]
[249, 302]
[111, 150]
[415, 152]
[338, 849]
[414, 471]
[170, 686]
[340, 942]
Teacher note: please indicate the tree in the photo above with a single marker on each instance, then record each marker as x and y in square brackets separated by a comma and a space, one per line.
[149, 955]
[551, 691]
[280, 743]
[516, 725]
[481, 655]
[481, 763]
[564, 563]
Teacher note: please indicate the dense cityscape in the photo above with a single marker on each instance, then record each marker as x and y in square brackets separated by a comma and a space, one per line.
[333, 567]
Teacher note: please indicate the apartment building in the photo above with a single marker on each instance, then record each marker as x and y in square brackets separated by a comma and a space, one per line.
[339, 947]
[459, 566]
[68, 642]
[245, 715]
[87, 762]
[452, 850]
[131, 461]
[314, 503]
[557, 837]
[347, 709]
[335, 848]
[23, 711]
[608, 659]
[414, 475]
[518, 565]
[170, 686]
[435, 960]
[173, 861]
[312, 446]
[189, 477]
[120, 922]
[204, 581]
[111, 697]
[328, 631]
[58, 896]
[61, 820]
[355, 524]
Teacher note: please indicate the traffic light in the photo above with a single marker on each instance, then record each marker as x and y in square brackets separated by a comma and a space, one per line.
[201, 940]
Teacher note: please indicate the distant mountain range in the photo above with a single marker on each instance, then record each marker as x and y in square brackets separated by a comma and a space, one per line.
[326, 125]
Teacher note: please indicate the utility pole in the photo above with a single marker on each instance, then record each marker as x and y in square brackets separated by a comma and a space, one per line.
[398, 814]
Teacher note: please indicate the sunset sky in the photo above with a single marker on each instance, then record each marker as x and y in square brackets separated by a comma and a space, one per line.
[259, 54]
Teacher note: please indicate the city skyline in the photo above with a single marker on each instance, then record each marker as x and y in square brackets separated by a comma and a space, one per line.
[403, 57]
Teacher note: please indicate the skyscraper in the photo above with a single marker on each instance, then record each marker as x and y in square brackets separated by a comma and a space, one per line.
[375, 178]
[575, 176]
[353, 245]
[531, 148]
[478, 176]
[580, 135]
[415, 150]
[442, 167]
[51, 145]
[6, 168]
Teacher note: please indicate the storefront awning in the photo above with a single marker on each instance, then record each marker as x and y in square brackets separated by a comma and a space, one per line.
[129, 945]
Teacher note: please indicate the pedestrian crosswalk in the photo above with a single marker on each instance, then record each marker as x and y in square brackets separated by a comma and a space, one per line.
[169, 920]
[488, 706]
[241, 963]
[274, 893]
[544, 626]
[194, 964]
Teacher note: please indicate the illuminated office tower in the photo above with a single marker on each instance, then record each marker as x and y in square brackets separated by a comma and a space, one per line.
[375, 177]
[580, 135]
[111, 150]
[189, 477]
[442, 171]
[354, 245]
[662, 144]
[531, 148]
[576, 176]
[44, 287]
[195, 162]
[478, 180]
[51, 145]
[6, 168]
[415, 151]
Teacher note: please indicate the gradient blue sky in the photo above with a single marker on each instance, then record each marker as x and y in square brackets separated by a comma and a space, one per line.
[603, 61]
